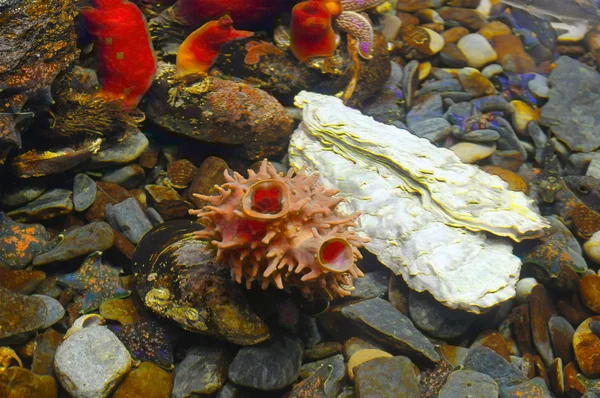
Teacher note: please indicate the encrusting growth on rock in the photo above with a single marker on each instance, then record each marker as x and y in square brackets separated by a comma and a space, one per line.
[282, 230]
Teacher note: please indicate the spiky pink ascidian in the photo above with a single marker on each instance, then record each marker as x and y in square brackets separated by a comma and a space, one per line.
[282, 230]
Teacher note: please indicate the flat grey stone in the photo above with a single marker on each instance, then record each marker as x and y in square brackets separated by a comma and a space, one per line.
[428, 106]
[91, 362]
[203, 371]
[379, 319]
[373, 284]
[125, 151]
[436, 319]
[467, 383]
[54, 203]
[130, 176]
[386, 378]
[128, 218]
[268, 366]
[84, 192]
[535, 387]
[434, 130]
[80, 241]
[487, 361]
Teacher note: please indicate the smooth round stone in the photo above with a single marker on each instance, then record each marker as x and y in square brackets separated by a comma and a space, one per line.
[477, 50]
[78, 242]
[492, 70]
[434, 130]
[469, 383]
[561, 336]
[147, 381]
[426, 107]
[391, 27]
[54, 310]
[524, 287]
[268, 366]
[592, 248]
[354, 344]
[203, 371]
[453, 35]
[475, 83]
[91, 362]
[129, 176]
[441, 86]
[522, 115]
[471, 152]
[493, 29]
[128, 218]
[363, 356]
[387, 378]
[539, 86]
[20, 196]
[589, 287]
[436, 319]
[84, 192]
[125, 151]
[587, 345]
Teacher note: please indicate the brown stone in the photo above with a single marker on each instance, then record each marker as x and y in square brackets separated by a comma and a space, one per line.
[363, 356]
[493, 29]
[398, 292]
[453, 35]
[407, 19]
[475, 83]
[107, 193]
[209, 174]
[587, 346]
[21, 383]
[452, 56]
[592, 40]
[414, 5]
[123, 245]
[454, 355]
[573, 310]
[572, 382]
[168, 202]
[322, 350]
[471, 19]
[589, 287]
[45, 347]
[464, 3]
[514, 180]
[120, 310]
[522, 328]
[540, 369]
[541, 309]
[561, 335]
[354, 344]
[494, 340]
[557, 377]
[20, 281]
[149, 158]
[147, 381]
[529, 366]
[511, 54]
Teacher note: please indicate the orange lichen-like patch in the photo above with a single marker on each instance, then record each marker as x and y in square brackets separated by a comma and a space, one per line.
[585, 220]
[257, 49]
[587, 348]
[282, 230]
[589, 287]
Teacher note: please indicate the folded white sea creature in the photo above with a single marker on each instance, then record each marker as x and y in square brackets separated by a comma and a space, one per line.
[424, 210]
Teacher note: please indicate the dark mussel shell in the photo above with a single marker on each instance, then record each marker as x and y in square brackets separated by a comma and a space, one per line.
[177, 279]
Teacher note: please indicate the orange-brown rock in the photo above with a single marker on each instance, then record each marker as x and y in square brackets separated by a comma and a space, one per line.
[589, 287]
[148, 381]
[511, 54]
[514, 180]
[493, 29]
[407, 19]
[453, 35]
[415, 5]
[471, 19]
[363, 356]
[586, 221]
[587, 349]
[572, 383]
[541, 310]
[494, 340]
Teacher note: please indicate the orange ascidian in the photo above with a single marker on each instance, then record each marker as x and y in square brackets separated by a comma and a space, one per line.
[311, 32]
[199, 50]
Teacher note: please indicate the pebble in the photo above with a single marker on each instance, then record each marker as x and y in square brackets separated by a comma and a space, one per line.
[589, 287]
[524, 287]
[21, 195]
[128, 149]
[325, 381]
[475, 83]
[415, 5]
[322, 350]
[363, 356]
[78, 242]
[453, 35]
[426, 107]
[203, 371]
[522, 115]
[436, 319]
[471, 152]
[511, 54]
[54, 203]
[91, 362]
[20, 243]
[20, 281]
[485, 360]
[493, 29]
[539, 86]
[146, 380]
[561, 335]
[19, 382]
[492, 70]
[534, 388]
[268, 366]
[541, 309]
[469, 383]
[471, 19]
[435, 129]
[477, 50]
[84, 192]
[380, 319]
[373, 284]
[167, 201]
[129, 176]
[128, 218]
[387, 378]
[440, 86]
[592, 248]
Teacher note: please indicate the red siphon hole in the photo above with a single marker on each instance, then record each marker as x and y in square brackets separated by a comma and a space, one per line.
[332, 251]
[267, 201]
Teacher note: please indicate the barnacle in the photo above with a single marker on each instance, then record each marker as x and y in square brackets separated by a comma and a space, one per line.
[282, 230]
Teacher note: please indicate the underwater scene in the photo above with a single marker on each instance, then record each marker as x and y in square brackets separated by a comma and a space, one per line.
[299, 198]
